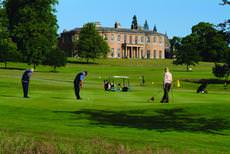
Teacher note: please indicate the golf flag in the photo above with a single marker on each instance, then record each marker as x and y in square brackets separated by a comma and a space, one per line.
[178, 84]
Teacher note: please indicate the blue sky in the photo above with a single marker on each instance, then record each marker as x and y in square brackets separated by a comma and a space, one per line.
[176, 17]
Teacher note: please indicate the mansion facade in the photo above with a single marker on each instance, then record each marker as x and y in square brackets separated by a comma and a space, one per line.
[125, 43]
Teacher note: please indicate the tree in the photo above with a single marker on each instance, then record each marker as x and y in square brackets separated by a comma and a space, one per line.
[91, 44]
[175, 43]
[222, 71]
[146, 25]
[186, 53]
[227, 60]
[56, 58]
[134, 23]
[225, 2]
[225, 26]
[212, 44]
[8, 50]
[155, 28]
[33, 27]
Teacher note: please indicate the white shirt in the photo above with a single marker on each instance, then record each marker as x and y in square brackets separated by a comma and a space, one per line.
[167, 78]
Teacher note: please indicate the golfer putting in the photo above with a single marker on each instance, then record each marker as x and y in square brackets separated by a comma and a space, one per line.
[78, 83]
[166, 85]
[25, 81]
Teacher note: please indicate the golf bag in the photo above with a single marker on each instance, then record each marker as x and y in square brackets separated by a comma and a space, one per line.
[202, 88]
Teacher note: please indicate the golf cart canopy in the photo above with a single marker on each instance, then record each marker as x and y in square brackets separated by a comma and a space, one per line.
[120, 77]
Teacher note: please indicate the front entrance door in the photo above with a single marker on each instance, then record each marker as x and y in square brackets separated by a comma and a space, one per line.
[148, 54]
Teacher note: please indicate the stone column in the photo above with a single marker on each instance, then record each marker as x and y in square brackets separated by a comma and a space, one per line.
[126, 51]
[131, 52]
[138, 51]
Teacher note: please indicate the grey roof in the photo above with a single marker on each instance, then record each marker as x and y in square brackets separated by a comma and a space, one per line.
[124, 30]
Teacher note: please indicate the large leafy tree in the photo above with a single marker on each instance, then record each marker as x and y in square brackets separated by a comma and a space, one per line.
[212, 44]
[134, 24]
[33, 26]
[91, 44]
[8, 50]
[224, 70]
[187, 53]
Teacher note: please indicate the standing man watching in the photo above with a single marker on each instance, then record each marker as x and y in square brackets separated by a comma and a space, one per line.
[78, 83]
[25, 81]
[167, 85]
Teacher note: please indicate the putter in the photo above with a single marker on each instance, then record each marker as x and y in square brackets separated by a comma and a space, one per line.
[172, 94]
[18, 85]
[19, 91]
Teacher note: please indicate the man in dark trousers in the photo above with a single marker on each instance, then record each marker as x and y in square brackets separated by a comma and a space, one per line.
[78, 83]
[167, 85]
[25, 81]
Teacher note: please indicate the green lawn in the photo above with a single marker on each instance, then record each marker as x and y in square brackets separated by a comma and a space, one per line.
[52, 121]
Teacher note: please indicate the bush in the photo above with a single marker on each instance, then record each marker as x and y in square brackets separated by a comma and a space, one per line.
[56, 58]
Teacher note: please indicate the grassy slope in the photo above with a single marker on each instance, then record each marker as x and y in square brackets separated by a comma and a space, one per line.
[192, 122]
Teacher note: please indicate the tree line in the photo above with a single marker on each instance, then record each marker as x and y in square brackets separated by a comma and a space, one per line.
[28, 33]
[207, 42]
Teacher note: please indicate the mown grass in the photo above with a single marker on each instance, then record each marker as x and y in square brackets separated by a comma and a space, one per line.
[52, 121]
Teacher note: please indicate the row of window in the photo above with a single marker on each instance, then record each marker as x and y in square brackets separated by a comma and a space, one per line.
[155, 55]
[134, 39]
[118, 53]
[130, 39]
[148, 55]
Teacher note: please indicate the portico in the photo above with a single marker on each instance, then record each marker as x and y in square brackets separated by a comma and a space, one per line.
[133, 51]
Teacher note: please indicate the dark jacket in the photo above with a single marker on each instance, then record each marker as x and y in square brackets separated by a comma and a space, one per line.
[26, 76]
[77, 78]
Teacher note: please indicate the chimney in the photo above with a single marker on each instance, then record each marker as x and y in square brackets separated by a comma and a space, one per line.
[117, 25]
[98, 24]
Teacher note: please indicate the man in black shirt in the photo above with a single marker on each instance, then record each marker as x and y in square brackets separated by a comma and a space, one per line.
[25, 81]
[78, 83]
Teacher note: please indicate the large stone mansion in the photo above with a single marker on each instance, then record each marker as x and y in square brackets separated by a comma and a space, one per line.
[125, 43]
